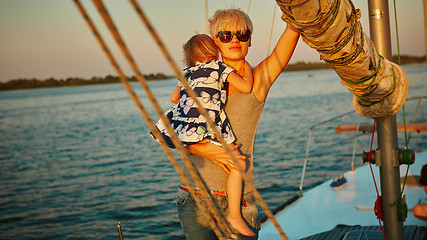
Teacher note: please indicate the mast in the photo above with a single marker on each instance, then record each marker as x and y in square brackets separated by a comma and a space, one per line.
[425, 25]
[386, 131]
[379, 98]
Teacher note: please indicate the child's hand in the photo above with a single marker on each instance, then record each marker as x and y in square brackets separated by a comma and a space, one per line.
[237, 154]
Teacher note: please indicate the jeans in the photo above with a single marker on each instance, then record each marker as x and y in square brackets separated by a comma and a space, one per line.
[196, 226]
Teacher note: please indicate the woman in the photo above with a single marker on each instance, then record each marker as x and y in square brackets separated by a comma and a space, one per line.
[208, 78]
[228, 28]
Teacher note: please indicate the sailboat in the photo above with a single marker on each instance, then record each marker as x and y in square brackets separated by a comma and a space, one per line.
[344, 207]
[336, 209]
[300, 218]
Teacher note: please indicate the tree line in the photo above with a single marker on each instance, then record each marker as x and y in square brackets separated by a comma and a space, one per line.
[73, 81]
[301, 66]
[76, 81]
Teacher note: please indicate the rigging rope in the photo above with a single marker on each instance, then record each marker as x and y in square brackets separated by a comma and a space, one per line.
[206, 17]
[402, 206]
[249, 6]
[203, 111]
[332, 27]
[150, 123]
[378, 203]
[271, 32]
[225, 230]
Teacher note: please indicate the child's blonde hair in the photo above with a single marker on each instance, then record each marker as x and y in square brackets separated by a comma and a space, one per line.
[232, 19]
[200, 48]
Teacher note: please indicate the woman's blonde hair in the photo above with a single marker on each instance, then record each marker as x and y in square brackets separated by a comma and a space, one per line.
[232, 19]
[200, 48]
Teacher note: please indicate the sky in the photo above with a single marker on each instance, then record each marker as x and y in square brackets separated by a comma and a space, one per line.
[50, 39]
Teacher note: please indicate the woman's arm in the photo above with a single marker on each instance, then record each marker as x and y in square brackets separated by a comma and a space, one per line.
[216, 153]
[268, 70]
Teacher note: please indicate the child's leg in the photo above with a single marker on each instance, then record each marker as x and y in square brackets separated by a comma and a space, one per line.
[234, 192]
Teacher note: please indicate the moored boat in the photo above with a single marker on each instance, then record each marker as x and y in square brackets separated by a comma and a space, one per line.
[346, 211]
[325, 211]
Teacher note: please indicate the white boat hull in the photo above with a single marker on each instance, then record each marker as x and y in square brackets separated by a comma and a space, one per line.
[322, 208]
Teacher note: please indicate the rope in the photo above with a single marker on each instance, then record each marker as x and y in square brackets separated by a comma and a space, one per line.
[249, 6]
[354, 26]
[196, 177]
[365, 79]
[271, 32]
[378, 203]
[144, 113]
[223, 224]
[385, 96]
[292, 3]
[184, 82]
[398, 56]
[370, 154]
[328, 14]
[206, 17]
[371, 85]
[328, 24]
[203, 111]
[333, 29]
[319, 19]
[402, 206]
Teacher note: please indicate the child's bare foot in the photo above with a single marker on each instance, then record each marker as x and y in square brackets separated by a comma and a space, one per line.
[240, 226]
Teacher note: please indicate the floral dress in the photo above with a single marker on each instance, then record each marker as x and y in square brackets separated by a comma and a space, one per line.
[208, 81]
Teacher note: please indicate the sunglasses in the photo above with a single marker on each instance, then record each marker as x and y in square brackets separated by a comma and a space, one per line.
[227, 36]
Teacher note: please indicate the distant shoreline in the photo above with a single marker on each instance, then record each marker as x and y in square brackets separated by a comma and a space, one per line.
[17, 84]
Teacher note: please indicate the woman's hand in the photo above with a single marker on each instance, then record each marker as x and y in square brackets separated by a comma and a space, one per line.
[216, 153]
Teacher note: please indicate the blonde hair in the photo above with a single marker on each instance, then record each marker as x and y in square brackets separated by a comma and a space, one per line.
[232, 19]
[200, 48]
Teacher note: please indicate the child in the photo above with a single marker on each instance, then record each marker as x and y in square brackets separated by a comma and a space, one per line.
[207, 76]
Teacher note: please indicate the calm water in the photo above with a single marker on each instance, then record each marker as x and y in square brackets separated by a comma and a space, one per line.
[75, 161]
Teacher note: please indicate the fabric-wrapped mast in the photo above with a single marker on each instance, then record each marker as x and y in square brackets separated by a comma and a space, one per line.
[332, 27]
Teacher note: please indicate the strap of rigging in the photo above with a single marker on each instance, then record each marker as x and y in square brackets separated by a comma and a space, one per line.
[225, 231]
[206, 17]
[249, 7]
[333, 29]
[271, 32]
[220, 226]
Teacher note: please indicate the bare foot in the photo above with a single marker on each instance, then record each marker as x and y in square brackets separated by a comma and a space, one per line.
[240, 226]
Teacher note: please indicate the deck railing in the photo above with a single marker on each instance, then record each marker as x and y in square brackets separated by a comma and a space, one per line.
[311, 152]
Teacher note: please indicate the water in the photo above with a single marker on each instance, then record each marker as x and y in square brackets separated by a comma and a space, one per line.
[75, 161]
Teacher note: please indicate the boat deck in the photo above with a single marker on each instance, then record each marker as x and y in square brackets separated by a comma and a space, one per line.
[343, 232]
[322, 208]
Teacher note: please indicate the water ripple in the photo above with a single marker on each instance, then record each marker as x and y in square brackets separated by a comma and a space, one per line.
[75, 161]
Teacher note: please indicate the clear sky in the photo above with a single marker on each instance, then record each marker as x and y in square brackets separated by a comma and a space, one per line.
[49, 38]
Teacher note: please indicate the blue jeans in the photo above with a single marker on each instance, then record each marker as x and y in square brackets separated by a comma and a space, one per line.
[196, 226]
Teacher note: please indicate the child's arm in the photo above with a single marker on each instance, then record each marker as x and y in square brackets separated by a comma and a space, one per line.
[245, 83]
[175, 95]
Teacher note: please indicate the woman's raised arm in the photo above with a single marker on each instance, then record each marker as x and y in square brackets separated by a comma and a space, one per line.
[268, 70]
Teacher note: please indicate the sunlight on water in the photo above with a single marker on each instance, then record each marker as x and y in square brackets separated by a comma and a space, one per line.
[75, 161]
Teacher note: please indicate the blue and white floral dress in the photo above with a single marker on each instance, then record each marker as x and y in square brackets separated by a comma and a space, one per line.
[208, 82]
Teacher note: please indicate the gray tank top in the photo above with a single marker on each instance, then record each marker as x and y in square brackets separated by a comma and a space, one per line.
[244, 112]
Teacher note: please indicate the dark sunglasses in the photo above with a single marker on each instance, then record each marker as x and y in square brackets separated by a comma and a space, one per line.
[227, 36]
